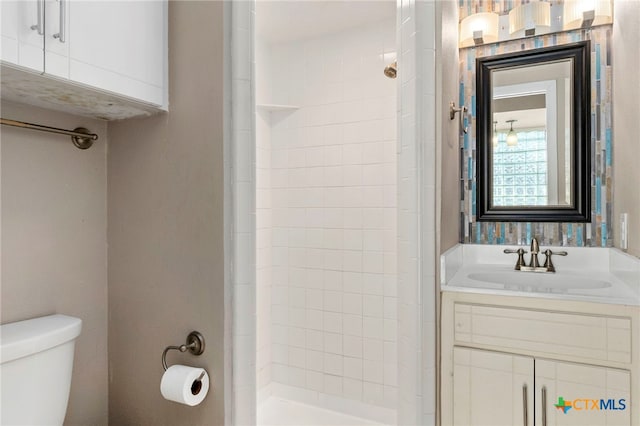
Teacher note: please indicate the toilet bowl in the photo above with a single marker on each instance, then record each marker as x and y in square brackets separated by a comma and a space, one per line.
[36, 362]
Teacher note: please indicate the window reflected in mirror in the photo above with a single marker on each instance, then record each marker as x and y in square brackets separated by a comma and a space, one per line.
[531, 153]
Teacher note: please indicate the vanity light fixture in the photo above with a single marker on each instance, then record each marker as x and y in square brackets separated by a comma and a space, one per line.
[512, 137]
[479, 28]
[495, 135]
[586, 13]
[530, 19]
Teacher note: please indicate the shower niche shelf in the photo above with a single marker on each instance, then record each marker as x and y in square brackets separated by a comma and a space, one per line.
[277, 107]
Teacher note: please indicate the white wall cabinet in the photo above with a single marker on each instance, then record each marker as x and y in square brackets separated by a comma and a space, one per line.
[23, 34]
[507, 360]
[118, 48]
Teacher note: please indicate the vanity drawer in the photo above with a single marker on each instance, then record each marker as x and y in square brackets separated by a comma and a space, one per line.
[602, 338]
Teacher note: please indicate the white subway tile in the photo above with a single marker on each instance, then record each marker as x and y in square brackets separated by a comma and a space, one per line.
[352, 388]
[352, 303]
[333, 343]
[333, 364]
[373, 284]
[332, 280]
[332, 322]
[314, 340]
[352, 325]
[333, 384]
[373, 393]
[332, 301]
[373, 349]
[314, 381]
[373, 371]
[373, 328]
[297, 357]
[353, 367]
[314, 299]
[352, 282]
[314, 320]
[352, 346]
[314, 360]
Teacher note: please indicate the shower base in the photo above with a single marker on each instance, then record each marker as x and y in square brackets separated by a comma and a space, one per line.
[276, 411]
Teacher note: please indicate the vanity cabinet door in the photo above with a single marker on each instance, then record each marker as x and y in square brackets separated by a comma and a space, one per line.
[492, 388]
[22, 45]
[581, 387]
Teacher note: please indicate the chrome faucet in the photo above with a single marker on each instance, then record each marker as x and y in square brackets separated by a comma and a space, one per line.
[535, 249]
[534, 264]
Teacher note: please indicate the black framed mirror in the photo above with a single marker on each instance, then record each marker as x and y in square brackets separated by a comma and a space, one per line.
[533, 135]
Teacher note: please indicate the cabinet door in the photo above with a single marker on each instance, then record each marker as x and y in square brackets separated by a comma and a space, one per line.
[119, 46]
[491, 388]
[23, 33]
[56, 38]
[581, 387]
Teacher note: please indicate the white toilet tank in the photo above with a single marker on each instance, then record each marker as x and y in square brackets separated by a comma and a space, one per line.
[36, 361]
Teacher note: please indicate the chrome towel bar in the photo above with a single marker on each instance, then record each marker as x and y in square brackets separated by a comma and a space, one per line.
[81, 137]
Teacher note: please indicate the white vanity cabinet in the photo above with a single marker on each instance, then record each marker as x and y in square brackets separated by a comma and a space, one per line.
[116, 48]
[506, 361]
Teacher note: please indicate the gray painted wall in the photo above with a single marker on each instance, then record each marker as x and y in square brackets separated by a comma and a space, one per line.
[626, 126]
[54, 242]
[165, 217]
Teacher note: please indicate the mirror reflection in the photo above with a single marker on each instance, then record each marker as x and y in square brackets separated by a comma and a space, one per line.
[533, 135]
[531, 151]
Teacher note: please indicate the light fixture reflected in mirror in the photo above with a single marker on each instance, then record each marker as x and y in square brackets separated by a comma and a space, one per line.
[512, 137]
[586, 13]
[479, 28]
[530, 19]
[495, 135]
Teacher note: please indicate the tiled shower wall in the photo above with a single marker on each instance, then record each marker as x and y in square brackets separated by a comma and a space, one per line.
[263, 248]
[333, 212]
[599, 231]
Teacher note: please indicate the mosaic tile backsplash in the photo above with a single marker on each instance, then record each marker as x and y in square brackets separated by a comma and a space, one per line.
[599, 232]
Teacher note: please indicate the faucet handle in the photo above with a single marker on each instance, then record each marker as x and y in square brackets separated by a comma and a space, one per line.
[520, 252]
[548, 263]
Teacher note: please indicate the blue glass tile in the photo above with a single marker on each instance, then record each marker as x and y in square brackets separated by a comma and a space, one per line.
[473, 199]
[603, 230]
[528, 231]
[569, 231]
[538, 43]
[473, 105]
[579, 240]
[478, 232]
[461, 98]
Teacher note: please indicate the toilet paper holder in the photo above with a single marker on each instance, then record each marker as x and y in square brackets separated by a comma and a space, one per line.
[195, 345]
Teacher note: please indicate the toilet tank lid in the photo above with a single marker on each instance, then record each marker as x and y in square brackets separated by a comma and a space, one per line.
[23, 338]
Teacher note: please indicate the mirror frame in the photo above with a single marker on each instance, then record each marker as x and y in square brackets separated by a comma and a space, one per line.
[580, 209]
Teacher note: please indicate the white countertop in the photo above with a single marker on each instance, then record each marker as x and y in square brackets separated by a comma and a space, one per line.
[601, 275]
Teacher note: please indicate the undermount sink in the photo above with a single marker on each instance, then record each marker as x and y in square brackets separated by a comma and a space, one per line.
[539, 281]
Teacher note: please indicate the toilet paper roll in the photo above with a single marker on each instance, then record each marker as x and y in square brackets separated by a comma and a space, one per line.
[183, 384]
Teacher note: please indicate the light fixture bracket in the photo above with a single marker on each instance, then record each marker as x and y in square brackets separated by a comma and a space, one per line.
[588, 16]
[478, 37]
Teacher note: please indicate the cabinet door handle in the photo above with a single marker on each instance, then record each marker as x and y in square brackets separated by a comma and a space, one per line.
[544, 406]
[525, 410]
[60, 35]
[40, 11]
